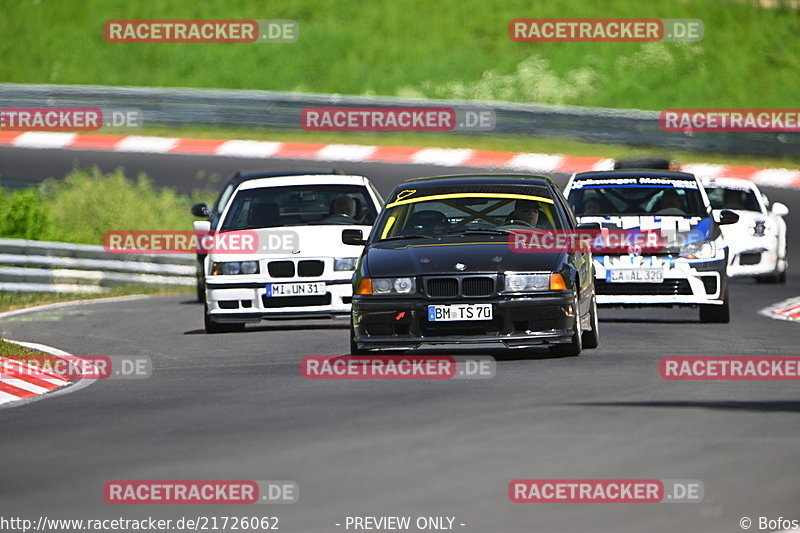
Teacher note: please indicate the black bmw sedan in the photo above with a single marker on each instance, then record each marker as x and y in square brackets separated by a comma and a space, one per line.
[439, 269]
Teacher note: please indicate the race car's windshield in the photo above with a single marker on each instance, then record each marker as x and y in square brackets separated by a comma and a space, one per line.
[298, 205]
[464, 214]
[636, 199]
[733, 198]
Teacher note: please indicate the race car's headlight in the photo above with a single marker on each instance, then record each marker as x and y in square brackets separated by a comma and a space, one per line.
[229, 268]
[699, 250]
[759, 228]
[533, 282]
[341, 264]
[387, 286]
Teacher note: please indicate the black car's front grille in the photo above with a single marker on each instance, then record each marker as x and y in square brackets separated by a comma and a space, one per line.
[295, 301]
[457, 286]
[442, 287]
[750, 258]
[669, 287]
[477, 286]
[709, 284]
[281, 269]
[310, 269]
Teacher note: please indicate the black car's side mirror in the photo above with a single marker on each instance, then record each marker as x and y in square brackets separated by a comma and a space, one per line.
[353, 237]
[727, 217]
[200, 210]
[589, 226]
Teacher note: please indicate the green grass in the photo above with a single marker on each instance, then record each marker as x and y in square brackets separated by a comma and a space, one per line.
[9, 349]
[546, 145]
[86, 204]
[749, 57]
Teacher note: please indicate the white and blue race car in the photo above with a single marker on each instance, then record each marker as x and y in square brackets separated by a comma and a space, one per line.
[688, 268]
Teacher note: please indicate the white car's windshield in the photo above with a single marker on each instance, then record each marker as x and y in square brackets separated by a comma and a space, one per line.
[598, 199]
[298, 205]
[733, 198]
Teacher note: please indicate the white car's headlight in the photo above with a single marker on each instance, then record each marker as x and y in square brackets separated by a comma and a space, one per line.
[699, 250]
[341, 264]
[527, 282]
[230, 268]
[759, 228]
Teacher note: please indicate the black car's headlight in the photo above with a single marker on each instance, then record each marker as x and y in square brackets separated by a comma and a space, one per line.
[230, 268]
[534, 282]
[387, 286]
[699, 250]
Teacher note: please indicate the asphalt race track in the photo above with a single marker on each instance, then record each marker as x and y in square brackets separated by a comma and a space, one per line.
[234, 406]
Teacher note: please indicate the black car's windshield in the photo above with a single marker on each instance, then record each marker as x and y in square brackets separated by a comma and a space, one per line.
[295, 205]
[636, 198]
[733, 198]
[467, 213]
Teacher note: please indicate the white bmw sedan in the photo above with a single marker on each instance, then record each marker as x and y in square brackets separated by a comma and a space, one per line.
[301, 266]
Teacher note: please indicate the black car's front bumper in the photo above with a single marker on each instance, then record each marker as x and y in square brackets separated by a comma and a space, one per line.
[517, 322]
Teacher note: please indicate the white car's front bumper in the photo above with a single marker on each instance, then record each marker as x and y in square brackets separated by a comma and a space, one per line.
[685, 282]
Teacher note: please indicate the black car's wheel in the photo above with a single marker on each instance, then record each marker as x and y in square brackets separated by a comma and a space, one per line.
[354, 349]
[591, 338]
[716, 314]
[573, 348]
[217, 327]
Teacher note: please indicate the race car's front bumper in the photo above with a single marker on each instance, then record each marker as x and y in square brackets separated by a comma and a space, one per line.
[517, 322]
[686, 282]
[248, 301]
[754, 260]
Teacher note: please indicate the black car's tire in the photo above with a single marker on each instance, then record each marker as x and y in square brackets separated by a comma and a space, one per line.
[354, 349]
[217, 327]
[716, 314]
[591, 339]
[573, 348]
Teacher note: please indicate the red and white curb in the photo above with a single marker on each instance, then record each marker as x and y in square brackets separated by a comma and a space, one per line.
[21, 381]
[785, 310]
[770, 177]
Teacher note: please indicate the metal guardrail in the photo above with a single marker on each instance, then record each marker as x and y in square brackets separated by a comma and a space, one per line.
[40, 266]
[280, 110]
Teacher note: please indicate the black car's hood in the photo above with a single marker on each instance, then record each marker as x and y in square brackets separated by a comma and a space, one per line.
[439, 256]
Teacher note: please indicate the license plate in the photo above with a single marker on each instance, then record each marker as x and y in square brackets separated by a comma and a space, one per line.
[642, 275]
[316, 288]
[450, 313]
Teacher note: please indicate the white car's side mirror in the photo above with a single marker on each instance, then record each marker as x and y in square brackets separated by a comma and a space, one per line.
[202, 225]
[779, 209]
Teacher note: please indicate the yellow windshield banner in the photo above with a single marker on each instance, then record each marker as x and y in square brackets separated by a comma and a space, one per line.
[469, 195]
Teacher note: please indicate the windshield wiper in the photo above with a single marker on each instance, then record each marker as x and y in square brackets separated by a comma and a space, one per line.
[480, 232]
[402, 237]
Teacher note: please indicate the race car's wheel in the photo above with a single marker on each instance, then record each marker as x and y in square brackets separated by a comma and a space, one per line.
[354, 349]
[573, 348]
[201, 288]
[591, 338]
[775, 277]
[719, 314]
[217, 327]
